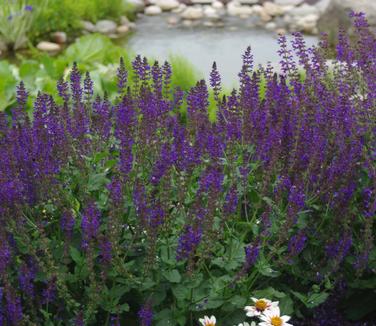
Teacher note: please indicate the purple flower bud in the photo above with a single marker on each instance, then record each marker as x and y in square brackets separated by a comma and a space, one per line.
[146, 315]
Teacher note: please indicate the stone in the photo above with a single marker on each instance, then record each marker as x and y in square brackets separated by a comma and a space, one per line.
[173, 20]
[59, 37]
[336, 14]
[201, 2]
[265, 17]
[106, 26]
[122, 29]
[249, 2]
[211, 13]
[193, 13]
[217, 5]
[280, 31]
[152, 10]
[124, 20]
[273, 9]
[288, 2]
[308, 24]
[167, 5]
[88, 26]
[234, 8]
[48, 47]
[271, 26]
[303, 10]
[180, 9]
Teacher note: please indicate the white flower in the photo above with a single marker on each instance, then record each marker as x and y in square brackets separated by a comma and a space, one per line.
[206, 321]
[272, 317]
[261, 305]
[246, 324]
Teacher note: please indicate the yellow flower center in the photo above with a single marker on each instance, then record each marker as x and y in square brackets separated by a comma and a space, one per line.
[276, 321]
[210, 324]
[261, 305]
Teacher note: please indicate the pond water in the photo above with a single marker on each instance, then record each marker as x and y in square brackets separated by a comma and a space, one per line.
[202, 45]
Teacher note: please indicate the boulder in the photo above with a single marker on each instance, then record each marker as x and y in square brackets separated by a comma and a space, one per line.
[122, 29]
[59, 37]
[273, 9]
[106, 26]
[48, 47]
[337, 14]
[167, 5]
[193, 13]
[88, 26]
[234, 8]
[180, 9]
[211, 13]
[152, 10]
[288, 2]
[303, 10]
[217, 5]
[308, 24]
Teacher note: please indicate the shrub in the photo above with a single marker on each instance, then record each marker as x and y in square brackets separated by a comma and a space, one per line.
[123, 210]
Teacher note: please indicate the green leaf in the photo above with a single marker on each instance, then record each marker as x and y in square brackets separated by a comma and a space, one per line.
[173, 276]
[97, 181]
[76, 256]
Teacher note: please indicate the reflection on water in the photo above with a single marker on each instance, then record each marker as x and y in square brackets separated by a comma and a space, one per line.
[203, 45]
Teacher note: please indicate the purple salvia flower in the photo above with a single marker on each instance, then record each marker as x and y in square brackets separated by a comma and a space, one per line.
[49, 292]
[26, 278]
[122, 76]
[116, 191]
[13, 308]
[296, 244]
[105, 250]
[79, 321]
[215, 81]
[88, 87]
[167, 72]
[5, 255]
[63, 89]
[231, 202]
[146, 315]
[157, 76]
[75, 84]
[67, 223]
[188, 242]
[90, 222]
[28, 8]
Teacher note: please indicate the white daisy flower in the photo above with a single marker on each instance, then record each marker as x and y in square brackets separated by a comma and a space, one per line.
[247, 324]
[272, 317]
[206, 321]
[261, 305]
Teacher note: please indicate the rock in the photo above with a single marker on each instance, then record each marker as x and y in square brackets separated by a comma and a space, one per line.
[288, 2]
[122, 29]
[287, 9]
[48, 47]
[138, 5]
[271, 26]
[303, 10]
[180, 9]
[272, 9]
[322, 5]
[88, 26]
[265, 17]
[124, 20]
[201, 2]
[59, 37]
[336, 14]
[211, 13]
[167, 5]
[173, 20]
[234, 8]
[249, 2]
[280, 31]
[193, 13]
[217, 5]
[106, 26]
[308, 24]
[152, 10]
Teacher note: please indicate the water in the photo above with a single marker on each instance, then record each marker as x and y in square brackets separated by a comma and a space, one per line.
[202, 45]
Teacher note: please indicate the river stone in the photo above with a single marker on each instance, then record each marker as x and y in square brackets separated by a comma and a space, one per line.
[48, 46]
[179, 9]
[308, 24]
[88, 26]
[124, 20]
[167, 5]
[336, 14]
[234, 8]
[288, 2]
[303, 10]
[193, 13]
[153, 10]
[122, 29]
[272, 9]
[59, 37]
[211, 13]
[172, 20]
[106, 26]
[217, 5]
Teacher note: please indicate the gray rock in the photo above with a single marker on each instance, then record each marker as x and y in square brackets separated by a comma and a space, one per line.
[48, 47]
[88, 26]
[288, 2]
[336, 14]
[193, 13]
[122, 29]
[234, 8]
[124, 20]
[153, 10]
[59, 37]
[106, 26]
[167, 5]
[273, 9]
[303, 10]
